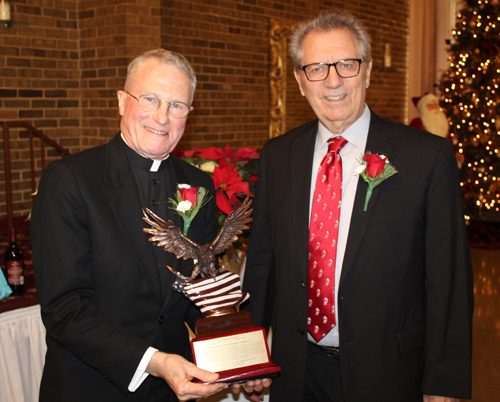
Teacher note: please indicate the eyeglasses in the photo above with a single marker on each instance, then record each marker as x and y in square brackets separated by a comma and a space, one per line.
[345, 69]
[150, 103]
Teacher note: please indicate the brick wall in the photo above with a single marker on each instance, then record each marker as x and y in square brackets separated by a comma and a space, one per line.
[110, 36]
[61, 65]
[39, 83]
[228, 44]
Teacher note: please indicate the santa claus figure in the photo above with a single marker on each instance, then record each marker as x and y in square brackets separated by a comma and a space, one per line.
[433, 119]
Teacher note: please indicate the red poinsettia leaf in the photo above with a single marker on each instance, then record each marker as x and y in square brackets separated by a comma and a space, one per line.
[211, 153]
[224, 163]
[220, 176]
[179, 153]
[229, 154]
[247, 153]
[237, 203]
[189, 154]
[223, 203]
[240, 187]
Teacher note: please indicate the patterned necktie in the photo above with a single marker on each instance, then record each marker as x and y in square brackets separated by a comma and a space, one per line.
[323, 237]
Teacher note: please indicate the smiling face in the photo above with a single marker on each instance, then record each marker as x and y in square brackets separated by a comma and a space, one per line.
[338, 102]
[154, 134]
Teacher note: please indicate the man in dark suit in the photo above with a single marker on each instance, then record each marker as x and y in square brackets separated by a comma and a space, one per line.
[400, 321]
[115, 327]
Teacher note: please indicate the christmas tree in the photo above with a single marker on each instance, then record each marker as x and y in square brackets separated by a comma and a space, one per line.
[471, 100]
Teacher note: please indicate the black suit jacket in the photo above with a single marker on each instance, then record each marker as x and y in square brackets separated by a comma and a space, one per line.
[405, 294]
[102, 298]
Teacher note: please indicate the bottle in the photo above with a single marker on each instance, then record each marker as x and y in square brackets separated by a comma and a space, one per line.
[14, 263]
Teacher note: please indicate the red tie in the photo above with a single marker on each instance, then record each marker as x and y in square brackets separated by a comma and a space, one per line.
[323, 237]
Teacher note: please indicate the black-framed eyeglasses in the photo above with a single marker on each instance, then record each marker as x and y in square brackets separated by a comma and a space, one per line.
[150, 103]
[346, 68]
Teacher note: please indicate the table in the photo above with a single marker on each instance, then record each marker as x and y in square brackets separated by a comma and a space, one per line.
[22, 354]
[30, 296]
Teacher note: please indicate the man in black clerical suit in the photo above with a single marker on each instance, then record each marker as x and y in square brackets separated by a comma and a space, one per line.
[403, 295]
[115, 327]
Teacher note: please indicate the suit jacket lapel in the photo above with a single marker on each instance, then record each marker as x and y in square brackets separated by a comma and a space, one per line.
[127, 209]
[301, 170]
[378, 142]
[177, 176]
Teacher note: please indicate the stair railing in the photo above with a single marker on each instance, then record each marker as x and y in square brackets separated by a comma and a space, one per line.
[33, 133]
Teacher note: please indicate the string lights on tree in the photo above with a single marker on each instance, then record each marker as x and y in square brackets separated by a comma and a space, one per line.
[471, 100]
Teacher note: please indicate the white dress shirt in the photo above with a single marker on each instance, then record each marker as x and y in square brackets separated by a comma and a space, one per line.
[351, 153]
[141, 374]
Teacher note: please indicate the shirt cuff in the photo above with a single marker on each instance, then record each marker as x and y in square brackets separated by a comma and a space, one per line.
[140, 374]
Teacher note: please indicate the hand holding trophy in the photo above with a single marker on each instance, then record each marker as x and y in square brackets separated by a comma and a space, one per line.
[226, 340]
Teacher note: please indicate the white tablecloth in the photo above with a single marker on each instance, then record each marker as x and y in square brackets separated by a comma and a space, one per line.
[22, 354]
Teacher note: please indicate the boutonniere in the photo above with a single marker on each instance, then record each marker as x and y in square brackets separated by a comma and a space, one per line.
[374, 169]
[188, 201]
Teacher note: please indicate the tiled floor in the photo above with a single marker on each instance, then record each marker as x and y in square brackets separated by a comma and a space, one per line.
[486, 349]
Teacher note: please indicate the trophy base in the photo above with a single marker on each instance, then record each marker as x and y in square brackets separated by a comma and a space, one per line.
[218, 324]
[237, 356]
[239, 376]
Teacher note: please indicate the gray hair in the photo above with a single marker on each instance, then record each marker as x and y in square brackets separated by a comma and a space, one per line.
[163, 56]
[325, 21]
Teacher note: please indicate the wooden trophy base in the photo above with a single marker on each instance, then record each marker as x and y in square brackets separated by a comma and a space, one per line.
[230, 345]
[223, 322]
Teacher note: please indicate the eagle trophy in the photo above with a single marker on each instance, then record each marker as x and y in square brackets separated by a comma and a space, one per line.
[170, 237]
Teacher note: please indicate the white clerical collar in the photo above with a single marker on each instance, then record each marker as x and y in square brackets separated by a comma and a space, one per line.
[156, 163]
[356, 134]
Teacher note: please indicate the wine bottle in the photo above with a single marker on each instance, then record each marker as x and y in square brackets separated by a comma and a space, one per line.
[14, 263]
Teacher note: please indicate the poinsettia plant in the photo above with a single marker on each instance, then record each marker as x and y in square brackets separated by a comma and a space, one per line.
[234, 174]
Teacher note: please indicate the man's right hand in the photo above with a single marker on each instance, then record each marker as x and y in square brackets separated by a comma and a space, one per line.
[178, 373]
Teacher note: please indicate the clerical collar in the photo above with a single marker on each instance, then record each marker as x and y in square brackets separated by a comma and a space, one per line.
[143, 162]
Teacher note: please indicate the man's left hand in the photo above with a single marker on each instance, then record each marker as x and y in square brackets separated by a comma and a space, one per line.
[433, 398]
[253, 388]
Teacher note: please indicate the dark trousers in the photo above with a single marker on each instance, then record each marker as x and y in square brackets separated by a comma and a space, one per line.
[323, 380]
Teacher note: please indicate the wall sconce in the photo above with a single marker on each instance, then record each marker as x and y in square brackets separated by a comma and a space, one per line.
[5, 10]
[5, 16]
[387, 55]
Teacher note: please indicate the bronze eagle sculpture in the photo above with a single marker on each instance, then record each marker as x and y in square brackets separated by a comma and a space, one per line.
[171, 238]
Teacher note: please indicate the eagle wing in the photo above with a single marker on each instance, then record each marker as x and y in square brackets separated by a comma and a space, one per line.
[170, 237]
[233, 226]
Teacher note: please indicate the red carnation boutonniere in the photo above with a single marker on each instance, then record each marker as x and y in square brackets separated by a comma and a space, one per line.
[188, 201]
[374, 169]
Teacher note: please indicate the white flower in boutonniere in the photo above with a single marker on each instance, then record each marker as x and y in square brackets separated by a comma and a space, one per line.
[188, 201]
[184, 206]
[374, 169]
